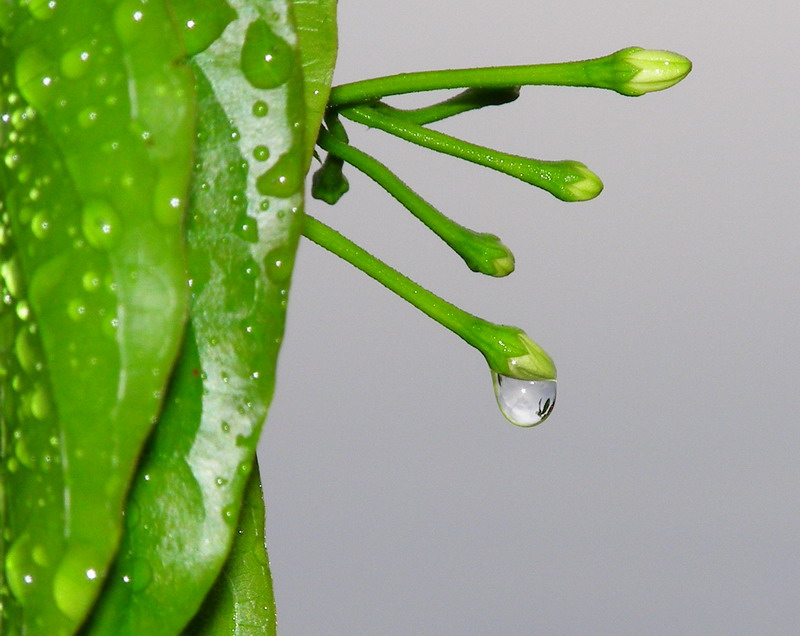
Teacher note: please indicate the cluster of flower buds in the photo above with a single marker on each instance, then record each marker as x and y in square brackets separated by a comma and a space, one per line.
[524, 374]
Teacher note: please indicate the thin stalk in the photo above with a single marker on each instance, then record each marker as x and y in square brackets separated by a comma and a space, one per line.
[470, 99]
[508, 350]
[600, 72]
[566, 180]
[633, 71]
[461, 323]
[482, 253]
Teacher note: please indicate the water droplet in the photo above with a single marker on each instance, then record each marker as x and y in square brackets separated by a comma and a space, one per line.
[76, 309]
[246, 228]
[20, 568]
[261, 153]
[278, 263]
[77, 580]
[25, 351]
[75, 62]
[91, 281]
[140, 575]
[283, 179]
[12, 277]
[133, 513]
[267, 60]
[40, 403]
[12, 158]
[87, 117]
[40, 225]
[35, 76]
[201, 27]
[23, 310]
[100, 224]
[129, 20]
[167, 203]
[524, 402]
[260, 109]
[42, 9]
[229, 514]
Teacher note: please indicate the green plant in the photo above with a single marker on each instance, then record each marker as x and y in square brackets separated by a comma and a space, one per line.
[155, 154]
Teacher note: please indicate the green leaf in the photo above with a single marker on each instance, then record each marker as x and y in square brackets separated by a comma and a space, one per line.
[96, 112]
[242, 602]
[242, 235]
[316, 28]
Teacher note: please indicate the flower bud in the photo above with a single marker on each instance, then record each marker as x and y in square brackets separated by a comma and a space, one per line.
[513, 354]
[652, 70]
[329, 183]
[486, 254]
[584, 184]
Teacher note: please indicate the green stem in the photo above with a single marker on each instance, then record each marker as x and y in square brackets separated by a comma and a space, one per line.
[335, 126]
[470, 99]
[456, 320]
[507, 350]
[602, 72]
[566, 180]
[483, 253]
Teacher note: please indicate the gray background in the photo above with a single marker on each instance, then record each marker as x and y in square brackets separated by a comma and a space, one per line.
[662, 495]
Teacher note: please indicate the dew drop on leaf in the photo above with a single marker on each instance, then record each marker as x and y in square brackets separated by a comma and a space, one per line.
[261, 153]
[141, 575]
[260, 109]
[283, 179]
[35, 76]
[42, 9]
[100, 224]
[75, 62]
[266, 60]
[20, 568]
[77, 580]
[278, 263]
[202, 22]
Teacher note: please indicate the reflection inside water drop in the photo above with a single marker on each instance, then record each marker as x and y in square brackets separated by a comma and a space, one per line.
[524, 402]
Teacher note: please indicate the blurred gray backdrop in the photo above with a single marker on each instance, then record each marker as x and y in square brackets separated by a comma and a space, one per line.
[663, 494]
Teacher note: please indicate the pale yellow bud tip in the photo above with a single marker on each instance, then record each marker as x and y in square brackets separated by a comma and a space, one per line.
[657, 70]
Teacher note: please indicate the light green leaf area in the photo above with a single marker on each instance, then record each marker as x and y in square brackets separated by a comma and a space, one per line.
[244, 218]
[316, 28]
[241, 603]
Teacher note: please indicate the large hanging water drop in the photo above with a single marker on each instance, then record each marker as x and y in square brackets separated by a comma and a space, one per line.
[524, 402]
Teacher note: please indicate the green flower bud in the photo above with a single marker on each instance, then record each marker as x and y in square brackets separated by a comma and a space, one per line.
[503, 265]
[652, 70]
[486, 254]
[329, 183]
[510, 352]
[582, 185]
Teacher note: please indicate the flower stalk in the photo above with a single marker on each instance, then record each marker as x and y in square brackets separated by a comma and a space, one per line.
[507, 350]
[566, 180]
[483, 253]
[612, 72]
